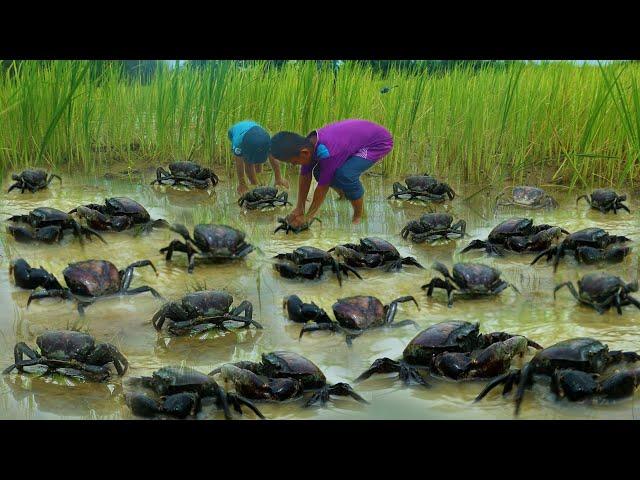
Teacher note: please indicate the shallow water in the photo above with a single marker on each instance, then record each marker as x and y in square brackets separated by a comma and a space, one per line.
[126, 321]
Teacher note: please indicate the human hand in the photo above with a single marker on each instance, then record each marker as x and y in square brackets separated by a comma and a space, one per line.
[242, 188]
[282, 182]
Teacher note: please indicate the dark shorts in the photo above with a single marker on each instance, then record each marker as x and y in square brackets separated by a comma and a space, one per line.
[347, 177]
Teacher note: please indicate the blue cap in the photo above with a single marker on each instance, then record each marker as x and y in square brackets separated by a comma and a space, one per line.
[255, 145]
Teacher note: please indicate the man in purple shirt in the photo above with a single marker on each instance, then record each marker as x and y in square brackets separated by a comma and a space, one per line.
[336, 155]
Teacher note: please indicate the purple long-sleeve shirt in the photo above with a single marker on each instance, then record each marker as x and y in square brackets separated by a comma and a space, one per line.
[339, 141]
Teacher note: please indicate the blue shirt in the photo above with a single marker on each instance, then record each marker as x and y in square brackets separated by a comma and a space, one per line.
[236, 134]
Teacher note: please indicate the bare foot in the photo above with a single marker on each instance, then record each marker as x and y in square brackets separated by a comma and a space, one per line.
[356, 220]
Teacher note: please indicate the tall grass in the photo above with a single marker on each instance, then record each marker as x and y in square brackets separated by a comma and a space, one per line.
[577, 125]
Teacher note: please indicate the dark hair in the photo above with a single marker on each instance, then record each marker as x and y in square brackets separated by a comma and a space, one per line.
[285, 145]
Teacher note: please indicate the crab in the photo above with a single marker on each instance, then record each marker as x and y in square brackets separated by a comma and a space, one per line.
[432, 226]
[187, 174]
[469, 279]
[604, 199]
[31, 278]
[571, 364]
[118, 213]
[47, 225]
[602, 291]
[517, 235]
[453, 349]
[287, 227]
[210, 241]
[353, 315]
[201, 311]
[590, 245]
[309, 262]
[181, 391]
[263, 197]
[87, 281]
[70, 353]
[373, 252]
[32, 180]
[527, 197]
[422, 187]
[283, 365]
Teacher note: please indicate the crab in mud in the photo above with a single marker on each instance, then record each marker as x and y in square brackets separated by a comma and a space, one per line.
[453, 349]
[32, 180]
[47, 225]
[517, 235]
[287, 227]
[432, 226]
[373, 252]
[602, 291]
[118, 214]
[281, 376]
[188, 174]
[70, 353]
[353, 315]
[263, 197]
[469, 279]
[201, 311]
[181, 391]
[589, 246]
[422, 187]
[87, 281]
[210, 241]
[527, 197]
[574, 367]
[604, 199]
[309, 263]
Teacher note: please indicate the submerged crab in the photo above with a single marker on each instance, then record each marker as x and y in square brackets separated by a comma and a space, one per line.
[432, 226]
[47, 225]
[188, 174]
[210, 241]
[309, 263]
[32, 180]
[70, 353]
[604, 199]
[202, 311]
[571, 364]
[181, 391]
[87, 281]
[602, 291]
[469, 279]
[287, 227]
[353, 315]
[281, 376]
[373, 252]
[456, 350]
[118, 213]
[422, 187]
[263, 197]
[527, 197]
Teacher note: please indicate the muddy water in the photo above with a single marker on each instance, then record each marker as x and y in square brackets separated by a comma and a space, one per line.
[126, 321]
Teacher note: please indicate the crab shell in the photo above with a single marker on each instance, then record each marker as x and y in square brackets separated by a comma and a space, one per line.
[304, 255]
[475, 276]
[92, 278]
[526, 195]
[44, 216]
[208, 301]
[221, 239]
[448, 336]
[284, 364]
[176, 379]
[359, 312]
[65, 345]
[420, 182]
[510, 228]
[128, 207]
[34, 177]
[599, 285]
[188, 169]
[436, 220]
[585, 354]
[378, 245]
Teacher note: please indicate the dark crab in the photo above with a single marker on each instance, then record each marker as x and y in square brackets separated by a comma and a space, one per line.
[590, 245]
[287, 227]
[527, 197]
[602, 291]
[263, 197]
[181, 391]
[281, 376]
[571, 365]
[47, 225]
[604, 199]
[201, 311]
[32, 180]
[456, 350]
[422, 187]
[469, 279]
[309, 263]
[188, 174]
[517, 235]
[353, 315]
[87, 281]
[70, 353]
[210, 241]
[432, 226]
[373, 252]
[118, 214]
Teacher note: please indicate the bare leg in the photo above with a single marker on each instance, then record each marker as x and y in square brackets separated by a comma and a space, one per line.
[358, 210]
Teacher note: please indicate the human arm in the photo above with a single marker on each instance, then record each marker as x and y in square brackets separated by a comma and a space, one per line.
[275, 165]
[242, 183]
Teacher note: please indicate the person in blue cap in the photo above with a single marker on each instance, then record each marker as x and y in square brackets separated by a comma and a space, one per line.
[250, 144]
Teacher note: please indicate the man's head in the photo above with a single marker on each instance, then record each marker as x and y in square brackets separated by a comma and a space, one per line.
[292, 148]
[255, 145]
